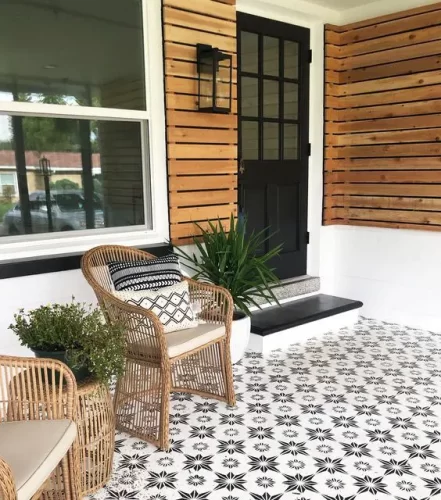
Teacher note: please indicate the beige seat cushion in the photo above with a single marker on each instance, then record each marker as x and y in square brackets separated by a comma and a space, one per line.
[184, 341]
[33, 449]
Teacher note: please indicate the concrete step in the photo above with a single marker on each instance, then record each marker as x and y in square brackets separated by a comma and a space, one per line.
[294, 287]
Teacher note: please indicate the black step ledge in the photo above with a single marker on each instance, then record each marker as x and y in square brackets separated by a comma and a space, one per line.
[299, 312]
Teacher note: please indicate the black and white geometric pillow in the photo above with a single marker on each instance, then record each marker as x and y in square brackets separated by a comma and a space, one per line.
[171, 304]
[146, 274]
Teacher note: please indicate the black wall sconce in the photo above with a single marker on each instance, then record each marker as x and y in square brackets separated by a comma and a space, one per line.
[215, 79]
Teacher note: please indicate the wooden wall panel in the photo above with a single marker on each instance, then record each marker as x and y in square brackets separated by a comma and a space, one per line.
[202, 148]
[382, 121]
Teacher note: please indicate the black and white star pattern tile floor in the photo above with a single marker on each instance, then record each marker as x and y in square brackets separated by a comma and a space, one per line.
[353, 414]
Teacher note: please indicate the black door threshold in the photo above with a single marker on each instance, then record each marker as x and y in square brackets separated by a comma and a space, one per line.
[299, 312]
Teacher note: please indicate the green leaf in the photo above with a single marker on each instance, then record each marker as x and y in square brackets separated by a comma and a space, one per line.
[234, 260]
[77, 329]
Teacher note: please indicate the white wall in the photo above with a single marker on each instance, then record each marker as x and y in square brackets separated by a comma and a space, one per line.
[396, 273]
[30, 292]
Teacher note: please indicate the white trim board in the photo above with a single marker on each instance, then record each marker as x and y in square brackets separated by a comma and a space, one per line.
[301, 10]
[302, 333]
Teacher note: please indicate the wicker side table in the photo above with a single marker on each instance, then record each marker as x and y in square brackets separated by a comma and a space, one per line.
[96, 435]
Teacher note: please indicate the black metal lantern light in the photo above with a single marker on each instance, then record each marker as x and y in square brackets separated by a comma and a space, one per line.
[215, 75]
[46, 171]
[45, 167]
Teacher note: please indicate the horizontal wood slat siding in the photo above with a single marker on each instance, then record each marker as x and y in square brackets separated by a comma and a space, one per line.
[202, 147]
[383, 121]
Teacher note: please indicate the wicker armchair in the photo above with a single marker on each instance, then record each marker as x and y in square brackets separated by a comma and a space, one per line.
[38, 451]
[155, 363]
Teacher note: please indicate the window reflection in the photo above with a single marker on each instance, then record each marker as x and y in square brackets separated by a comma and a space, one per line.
[72, 52]
[59, 174]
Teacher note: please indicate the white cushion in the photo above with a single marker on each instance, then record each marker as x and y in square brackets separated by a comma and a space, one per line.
[33, 449]
[186, 340]
[171, 304]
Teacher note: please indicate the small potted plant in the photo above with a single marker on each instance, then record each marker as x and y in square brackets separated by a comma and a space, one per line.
[75, 334]
[235, 261]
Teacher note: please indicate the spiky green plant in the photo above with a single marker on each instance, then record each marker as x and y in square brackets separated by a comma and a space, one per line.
[234, 260]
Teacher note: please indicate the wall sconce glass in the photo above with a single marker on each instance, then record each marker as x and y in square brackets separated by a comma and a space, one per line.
[215, 79]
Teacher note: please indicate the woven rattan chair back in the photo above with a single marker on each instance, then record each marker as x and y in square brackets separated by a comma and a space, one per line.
[39, 389]
[144, 331]
[25, 394]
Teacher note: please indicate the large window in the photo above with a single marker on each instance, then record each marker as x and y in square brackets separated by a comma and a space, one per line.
[76, 152]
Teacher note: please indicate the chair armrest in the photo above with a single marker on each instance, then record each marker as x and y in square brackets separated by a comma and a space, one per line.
[36, 389]
[216, 303]
[7, 483]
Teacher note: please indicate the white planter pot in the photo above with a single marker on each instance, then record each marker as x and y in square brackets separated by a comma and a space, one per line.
[240, 336]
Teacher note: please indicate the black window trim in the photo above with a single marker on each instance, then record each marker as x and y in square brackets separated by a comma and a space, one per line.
[56, 263]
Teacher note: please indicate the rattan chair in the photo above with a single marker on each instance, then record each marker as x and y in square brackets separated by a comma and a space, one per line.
[154, 367]
[38, 451]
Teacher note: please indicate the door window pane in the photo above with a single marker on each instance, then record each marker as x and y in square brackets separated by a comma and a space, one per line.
[270, 56]
[291, 58]
[249, 96]
[73, 52]
[270, 141]
[291, 101]
[290, 141]
[249, 52]
[270, 99]
[79, 174]
[250, 140]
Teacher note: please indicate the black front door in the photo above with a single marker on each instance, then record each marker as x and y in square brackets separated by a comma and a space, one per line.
[273, 112]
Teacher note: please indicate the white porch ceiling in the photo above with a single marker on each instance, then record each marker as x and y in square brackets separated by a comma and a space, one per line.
[341, 4]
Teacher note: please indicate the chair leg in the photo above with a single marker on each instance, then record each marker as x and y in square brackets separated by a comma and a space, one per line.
[71, 474]
[227, 370]
[139, 401]
[165, 408]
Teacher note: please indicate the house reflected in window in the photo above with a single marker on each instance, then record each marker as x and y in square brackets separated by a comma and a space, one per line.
[92, 184]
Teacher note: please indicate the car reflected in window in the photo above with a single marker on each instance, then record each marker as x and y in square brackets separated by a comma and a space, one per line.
[68, 213]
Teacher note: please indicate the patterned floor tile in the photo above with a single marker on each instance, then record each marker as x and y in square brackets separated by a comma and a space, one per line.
[352, 414]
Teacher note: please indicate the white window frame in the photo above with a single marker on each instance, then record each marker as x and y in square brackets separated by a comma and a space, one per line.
[14, 177]
[152, 123]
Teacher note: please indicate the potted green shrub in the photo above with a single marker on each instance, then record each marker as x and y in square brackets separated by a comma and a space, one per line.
[235, 261]
[75, 334]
